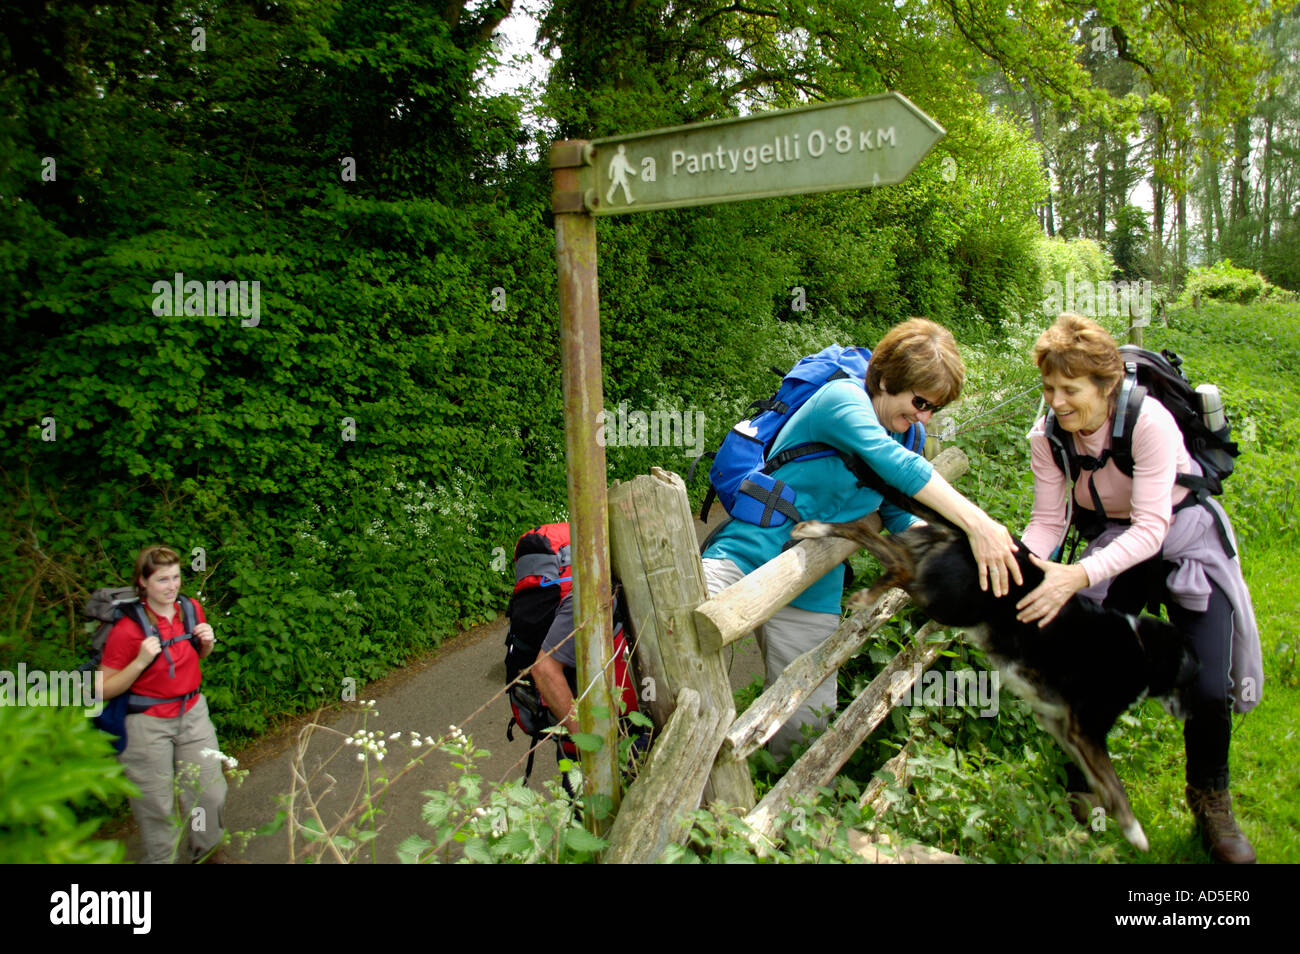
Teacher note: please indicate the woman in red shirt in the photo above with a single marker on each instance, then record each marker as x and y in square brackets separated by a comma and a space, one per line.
[171, 746]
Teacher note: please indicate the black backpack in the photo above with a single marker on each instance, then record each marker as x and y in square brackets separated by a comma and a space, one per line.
[529, 622]
[1160, 376]
[108, 605]
[543, 579]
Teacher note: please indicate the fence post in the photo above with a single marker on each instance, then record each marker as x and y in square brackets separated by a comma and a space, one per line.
[656, 809]
[654, 554]
[1135, 331]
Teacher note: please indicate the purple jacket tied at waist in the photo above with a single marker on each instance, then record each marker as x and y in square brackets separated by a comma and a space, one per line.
[1193, 543]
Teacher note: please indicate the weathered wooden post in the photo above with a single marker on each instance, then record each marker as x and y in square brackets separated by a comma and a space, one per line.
[658, 805]
[1135, 330]
[575, 256]
[655, 556]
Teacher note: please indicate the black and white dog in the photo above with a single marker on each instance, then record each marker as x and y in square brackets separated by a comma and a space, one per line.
[1078, 673]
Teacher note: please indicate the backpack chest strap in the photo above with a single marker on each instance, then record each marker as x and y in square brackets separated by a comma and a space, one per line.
[148, 622]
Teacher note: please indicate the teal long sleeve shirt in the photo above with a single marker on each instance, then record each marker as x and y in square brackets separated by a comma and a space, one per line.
[841, 415]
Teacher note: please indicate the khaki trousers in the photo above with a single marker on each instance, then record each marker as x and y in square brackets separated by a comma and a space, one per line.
[164, 758]
[787, 635]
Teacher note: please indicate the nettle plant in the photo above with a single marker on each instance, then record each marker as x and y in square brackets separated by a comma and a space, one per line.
[57, 768]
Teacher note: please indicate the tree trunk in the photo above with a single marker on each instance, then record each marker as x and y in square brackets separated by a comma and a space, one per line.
[1215, 195]
[1240, 206]
[1266, 225]
[1101, 187]
[1158, 200]
[1045, 221]
[1181, 242]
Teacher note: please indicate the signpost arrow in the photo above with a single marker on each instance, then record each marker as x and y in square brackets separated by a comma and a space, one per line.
[849, 144]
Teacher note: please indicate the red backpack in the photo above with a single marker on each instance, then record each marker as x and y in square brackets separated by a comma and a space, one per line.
[543, 578]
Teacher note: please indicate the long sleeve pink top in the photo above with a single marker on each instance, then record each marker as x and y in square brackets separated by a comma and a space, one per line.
[1147, 498]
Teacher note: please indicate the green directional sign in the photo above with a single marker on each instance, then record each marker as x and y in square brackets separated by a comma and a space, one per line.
[850, 144]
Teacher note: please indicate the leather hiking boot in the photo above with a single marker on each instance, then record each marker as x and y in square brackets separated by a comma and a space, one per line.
[1219, 832]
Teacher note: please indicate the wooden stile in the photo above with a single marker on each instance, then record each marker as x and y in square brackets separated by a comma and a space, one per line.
[827, 755]
[804, 674]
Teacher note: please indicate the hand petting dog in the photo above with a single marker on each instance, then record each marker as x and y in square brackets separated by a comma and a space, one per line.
[1061, 581]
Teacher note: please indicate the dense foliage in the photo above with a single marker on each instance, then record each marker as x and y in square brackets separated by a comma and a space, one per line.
[1223, 281]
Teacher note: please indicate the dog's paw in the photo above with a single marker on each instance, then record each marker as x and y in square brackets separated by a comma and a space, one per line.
[859, 600]
[811, 530]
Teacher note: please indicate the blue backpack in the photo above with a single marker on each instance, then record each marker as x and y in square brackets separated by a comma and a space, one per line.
[742, 473]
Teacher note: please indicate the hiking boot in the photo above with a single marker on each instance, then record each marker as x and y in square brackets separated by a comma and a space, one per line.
[1219, 832]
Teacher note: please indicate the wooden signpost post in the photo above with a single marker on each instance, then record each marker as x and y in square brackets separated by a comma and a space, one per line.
[849, 144]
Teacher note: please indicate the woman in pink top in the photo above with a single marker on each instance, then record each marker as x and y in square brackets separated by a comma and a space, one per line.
[1153, 544]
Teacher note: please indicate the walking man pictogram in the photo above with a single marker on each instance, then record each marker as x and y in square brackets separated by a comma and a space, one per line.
[619, 167]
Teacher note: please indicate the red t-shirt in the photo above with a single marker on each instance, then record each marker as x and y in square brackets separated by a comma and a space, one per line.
[123, 645]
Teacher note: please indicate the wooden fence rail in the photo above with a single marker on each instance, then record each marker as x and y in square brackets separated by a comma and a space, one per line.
[752, 600]
[826, 756]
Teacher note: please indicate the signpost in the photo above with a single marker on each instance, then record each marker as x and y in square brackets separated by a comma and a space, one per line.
[850, 144]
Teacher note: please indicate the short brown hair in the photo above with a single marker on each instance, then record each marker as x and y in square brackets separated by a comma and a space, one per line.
[1077, 346]
[149, 560]
[917, 355]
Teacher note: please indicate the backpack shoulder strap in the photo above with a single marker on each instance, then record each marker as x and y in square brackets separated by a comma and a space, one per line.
[136, 612]
[1064, 454]
[188, 613]
[141, 618]
[1127, 406]
[868, 477]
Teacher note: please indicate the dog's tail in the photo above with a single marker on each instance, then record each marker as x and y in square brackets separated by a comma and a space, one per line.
[898, 559]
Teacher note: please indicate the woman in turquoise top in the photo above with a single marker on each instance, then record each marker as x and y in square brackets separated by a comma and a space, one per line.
[914, 371]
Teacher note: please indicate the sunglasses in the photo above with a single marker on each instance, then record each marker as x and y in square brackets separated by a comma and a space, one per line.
[922, 405]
